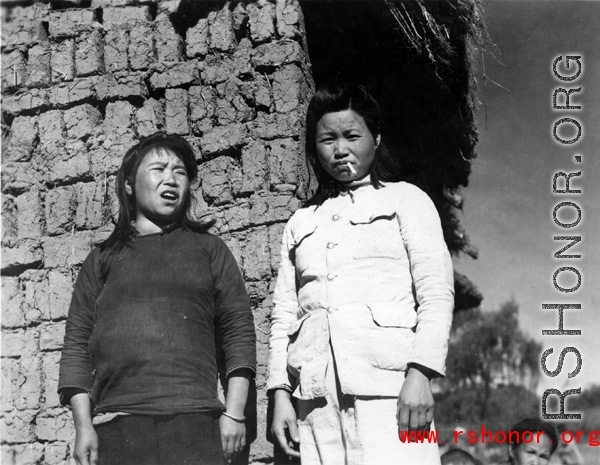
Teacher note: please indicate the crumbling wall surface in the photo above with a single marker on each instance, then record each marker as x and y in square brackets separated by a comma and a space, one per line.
[81, 82]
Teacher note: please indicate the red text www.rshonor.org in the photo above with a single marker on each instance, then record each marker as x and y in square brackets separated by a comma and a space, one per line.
[487, 436]
[419, 436]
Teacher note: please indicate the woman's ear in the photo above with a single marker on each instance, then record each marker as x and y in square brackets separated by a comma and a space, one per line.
[510, 453]
[128, 188]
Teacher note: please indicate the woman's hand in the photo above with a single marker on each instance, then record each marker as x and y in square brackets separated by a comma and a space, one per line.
[86, 446]
[415, 402]
[233, 433]
[86, 439]
[285, 422]
[233, 437]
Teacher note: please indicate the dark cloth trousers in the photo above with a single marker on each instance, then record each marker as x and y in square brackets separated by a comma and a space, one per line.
[183, 439]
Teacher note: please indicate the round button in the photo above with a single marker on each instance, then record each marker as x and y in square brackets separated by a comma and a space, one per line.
[330, 276]
[335, 217]
[330, 245]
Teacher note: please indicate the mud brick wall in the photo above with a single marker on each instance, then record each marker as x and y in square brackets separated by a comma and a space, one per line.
[81, 82]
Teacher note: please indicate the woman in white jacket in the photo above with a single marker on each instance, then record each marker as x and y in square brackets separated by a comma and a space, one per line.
[363, 301]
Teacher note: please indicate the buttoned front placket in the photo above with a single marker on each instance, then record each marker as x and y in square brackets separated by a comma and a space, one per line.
[337, 251]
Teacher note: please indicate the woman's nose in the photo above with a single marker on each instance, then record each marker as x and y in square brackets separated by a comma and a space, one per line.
[169, 177]
[340, 149]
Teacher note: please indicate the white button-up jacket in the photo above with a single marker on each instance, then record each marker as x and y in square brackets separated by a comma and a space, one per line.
[369, 273]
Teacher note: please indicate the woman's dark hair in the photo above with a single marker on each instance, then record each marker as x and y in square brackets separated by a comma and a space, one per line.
[158, 141]
[339, 97]
[534, 425]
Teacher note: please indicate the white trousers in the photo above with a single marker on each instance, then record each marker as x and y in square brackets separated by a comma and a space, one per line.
[348, 430]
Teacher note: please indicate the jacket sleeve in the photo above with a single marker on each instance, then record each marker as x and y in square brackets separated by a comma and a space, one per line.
[76, 371]
[433, 278]
[285, 305]
[233, 314]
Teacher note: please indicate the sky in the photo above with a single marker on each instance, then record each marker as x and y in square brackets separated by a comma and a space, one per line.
[508, 209]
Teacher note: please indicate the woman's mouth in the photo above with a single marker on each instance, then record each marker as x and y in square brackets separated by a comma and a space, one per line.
[171, 196]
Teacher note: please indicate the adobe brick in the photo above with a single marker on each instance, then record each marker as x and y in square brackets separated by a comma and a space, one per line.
[175, 75]
[62, 60]
[30, 220]
[12, 301]
[34, 284]
[51, 128]
[221, 180]
[126, 17]
[19, 254]
[89, 212]
[261, 22]
[218, 69]
[141, 50]
[60, 207]
[284, 160]
[54, 425]
[232, 107]
[273, 125]
[290, 20]
[17, 177]
[52, 335]
[223, 138]
[150, 118]
[61, 251]
[56, 453]
[262, 92]
[28, 383]
[23, 133]
[290, 89]
[89, 55]
[60, 289]
[24, 453]
[38, 65]
[111, 86]
[71, 164]
[17, 426]
[51, 338]
[169, 44]
[256, 255]
[254, 162]
[32, 99]
[176, 111]
[9, 218]
[14, 70]
[9, 372]
[239, 16]
[71, 92]
[20, 342]
[203, 105]
[82, 121]
[115, 50]
[236, 217]
[118, 121]
[221, 32]
[71, 22]
[196, 39]
[279, 53]
[105, 160]
[22, 31]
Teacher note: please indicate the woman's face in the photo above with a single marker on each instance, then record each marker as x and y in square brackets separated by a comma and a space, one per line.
[344, 139]
[534, 453]
[161, 188]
